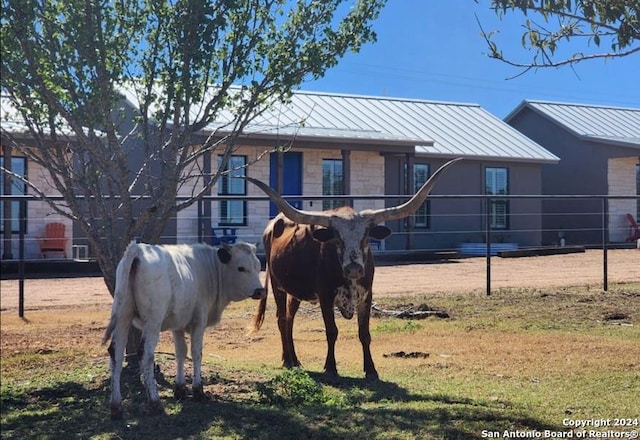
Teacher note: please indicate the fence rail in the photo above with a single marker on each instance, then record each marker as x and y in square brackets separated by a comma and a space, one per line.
[451, 219]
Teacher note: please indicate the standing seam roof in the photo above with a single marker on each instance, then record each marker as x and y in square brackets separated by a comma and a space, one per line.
[456, 129]
[444, 129]
[614, 124]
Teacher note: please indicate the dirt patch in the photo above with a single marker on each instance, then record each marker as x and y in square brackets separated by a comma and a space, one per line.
[55, 292]
[463, 275]
[407, 355]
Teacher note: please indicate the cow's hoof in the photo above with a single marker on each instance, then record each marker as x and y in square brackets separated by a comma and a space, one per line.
[199, 395]
[156, 408]
[180, 392]
[116, 412]
[291, 364]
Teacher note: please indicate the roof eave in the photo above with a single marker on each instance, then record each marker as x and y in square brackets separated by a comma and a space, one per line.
[484, 158]
[348, 142]
[528, 104]
[26, 135]
[627, 143]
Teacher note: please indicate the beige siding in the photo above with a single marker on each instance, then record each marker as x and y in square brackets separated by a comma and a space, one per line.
[367, 178]
[621, 177]
[187, 219]
[38, 215]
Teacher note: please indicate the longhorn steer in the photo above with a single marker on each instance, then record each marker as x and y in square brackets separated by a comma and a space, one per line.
[325, 256]
[183, 288]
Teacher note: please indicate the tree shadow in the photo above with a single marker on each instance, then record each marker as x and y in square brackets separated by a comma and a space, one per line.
[379, 389]
[82, 409]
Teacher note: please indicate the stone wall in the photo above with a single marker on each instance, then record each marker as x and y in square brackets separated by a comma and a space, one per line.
[621, 178]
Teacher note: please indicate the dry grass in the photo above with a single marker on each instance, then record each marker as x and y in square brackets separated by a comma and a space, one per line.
[523, 358]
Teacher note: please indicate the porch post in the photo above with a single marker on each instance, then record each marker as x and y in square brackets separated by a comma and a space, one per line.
[280, 172]
[409, 190]
[7, 241]
[346, 170]
[205, 205]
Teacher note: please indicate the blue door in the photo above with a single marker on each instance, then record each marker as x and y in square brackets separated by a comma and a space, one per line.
[292, 172]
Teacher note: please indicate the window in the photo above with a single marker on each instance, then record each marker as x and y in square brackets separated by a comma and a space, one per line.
[233, 212]
[18, 166]
[497, 183]
[420, 176]
[332, 182]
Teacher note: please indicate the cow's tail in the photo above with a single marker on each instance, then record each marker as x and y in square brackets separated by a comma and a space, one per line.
[123, 300]
[258, 316]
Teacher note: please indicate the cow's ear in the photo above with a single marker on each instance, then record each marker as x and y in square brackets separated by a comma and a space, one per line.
[323, 234]
[379, 232]
[278, 228]
[224, 255]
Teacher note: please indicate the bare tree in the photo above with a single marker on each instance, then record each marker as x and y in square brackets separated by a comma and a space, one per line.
[184, 64]
[611, 29]
[66, 66]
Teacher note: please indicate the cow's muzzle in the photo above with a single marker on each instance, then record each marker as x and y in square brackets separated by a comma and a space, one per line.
[259, 293]
[353, 271]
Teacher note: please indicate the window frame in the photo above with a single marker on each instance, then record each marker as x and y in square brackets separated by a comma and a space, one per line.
[426, 206]
[335, 185]
[17, 188]
[498, 208]
[226, 206]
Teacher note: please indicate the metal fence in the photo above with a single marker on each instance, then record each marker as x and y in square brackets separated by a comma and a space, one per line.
[455, 223]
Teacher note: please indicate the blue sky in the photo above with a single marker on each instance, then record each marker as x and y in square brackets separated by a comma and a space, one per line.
[432, 49]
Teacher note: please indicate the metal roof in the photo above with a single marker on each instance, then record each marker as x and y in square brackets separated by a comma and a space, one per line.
[433, 128]
[605, 124]
[320, 118]
[443, 129]
[12, 121]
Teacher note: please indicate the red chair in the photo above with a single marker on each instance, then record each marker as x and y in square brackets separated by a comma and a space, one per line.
[53, 240]
[634, 230]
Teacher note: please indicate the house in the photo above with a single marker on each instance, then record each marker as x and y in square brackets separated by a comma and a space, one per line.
[599, 151]
[38, 213]
[363, 145]
[321, 144]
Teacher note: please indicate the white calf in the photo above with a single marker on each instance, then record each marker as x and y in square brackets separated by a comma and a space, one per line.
[183, 288]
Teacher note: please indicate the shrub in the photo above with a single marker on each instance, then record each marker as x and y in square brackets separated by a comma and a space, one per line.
[292, 387]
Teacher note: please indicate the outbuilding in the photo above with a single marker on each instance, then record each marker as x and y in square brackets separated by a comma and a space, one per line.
[599, 151]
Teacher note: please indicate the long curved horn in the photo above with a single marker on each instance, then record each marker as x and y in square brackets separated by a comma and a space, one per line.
[412, 205]
[296, 215]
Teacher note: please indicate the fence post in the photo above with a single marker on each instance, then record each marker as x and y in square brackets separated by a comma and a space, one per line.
[22, 227]
[605, 236]
[487, 235]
